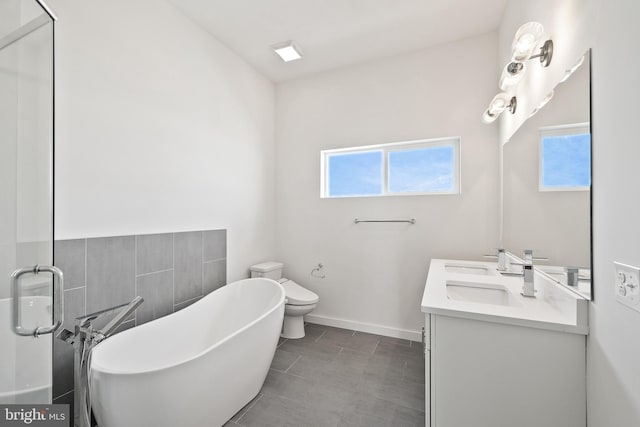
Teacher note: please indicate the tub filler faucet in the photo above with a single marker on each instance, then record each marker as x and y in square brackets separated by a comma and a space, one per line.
[84, 338]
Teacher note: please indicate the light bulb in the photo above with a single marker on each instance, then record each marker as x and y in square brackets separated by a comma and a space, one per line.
[488, 118]
[525, 40]
[511, 75]
[499, 103]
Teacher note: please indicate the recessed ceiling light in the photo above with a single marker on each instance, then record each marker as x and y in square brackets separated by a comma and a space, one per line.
[288, 51]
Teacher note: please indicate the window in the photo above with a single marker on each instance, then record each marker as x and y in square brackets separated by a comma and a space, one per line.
[565, 158]
[402, 168]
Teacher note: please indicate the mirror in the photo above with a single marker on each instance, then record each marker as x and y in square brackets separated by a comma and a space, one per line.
[546, 184]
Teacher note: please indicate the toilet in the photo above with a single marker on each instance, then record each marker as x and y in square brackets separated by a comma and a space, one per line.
[299, 301]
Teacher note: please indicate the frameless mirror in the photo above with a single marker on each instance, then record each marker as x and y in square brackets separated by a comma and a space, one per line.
[547, 184]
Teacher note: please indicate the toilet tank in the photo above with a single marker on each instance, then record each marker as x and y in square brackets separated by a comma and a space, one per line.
[270, 270]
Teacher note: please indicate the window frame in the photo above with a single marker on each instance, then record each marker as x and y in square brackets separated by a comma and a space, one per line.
[452, 141]
[564, 130]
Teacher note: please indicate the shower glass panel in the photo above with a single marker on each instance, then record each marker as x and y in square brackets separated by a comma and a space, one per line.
[26, 219]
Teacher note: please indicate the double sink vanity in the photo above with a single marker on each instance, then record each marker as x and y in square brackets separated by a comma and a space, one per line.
[497, 358]
[507, 347]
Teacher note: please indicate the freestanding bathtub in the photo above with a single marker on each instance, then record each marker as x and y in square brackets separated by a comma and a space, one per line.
[194, 368]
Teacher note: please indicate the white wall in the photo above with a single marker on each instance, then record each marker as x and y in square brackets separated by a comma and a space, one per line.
[375, 273]
[614, 342]
[159, 128]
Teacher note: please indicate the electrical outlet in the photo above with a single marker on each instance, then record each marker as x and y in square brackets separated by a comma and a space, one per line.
[627, 283]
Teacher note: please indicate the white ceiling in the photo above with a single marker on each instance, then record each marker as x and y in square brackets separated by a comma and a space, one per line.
[337, 33]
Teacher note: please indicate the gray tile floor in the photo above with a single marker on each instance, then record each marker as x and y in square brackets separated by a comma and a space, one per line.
[338, 377]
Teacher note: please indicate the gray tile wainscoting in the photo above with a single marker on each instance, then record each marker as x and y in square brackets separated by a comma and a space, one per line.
[170, 271]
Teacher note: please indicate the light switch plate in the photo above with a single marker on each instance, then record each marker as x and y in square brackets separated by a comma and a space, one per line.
[627, 285]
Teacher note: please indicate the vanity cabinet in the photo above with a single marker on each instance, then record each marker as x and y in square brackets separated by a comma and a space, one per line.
[485, 374]
[494, 358]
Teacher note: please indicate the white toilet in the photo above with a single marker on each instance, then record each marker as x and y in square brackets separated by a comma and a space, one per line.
[300, 301]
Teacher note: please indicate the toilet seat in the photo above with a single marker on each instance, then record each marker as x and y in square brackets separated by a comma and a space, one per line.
[296, 294]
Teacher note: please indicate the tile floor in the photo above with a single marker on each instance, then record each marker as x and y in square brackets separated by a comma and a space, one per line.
[338, 377]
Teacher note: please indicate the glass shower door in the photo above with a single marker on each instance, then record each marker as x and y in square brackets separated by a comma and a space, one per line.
[26, 201]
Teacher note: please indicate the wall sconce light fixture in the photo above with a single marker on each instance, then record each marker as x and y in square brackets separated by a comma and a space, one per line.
[524, 44]
[546, 53]
[499, 103]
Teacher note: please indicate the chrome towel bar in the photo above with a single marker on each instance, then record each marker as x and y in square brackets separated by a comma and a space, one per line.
[410, 221]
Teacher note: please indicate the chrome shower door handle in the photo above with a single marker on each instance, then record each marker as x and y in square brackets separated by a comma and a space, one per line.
[58, 300]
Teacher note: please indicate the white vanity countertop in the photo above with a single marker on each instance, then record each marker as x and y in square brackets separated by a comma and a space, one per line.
[554, 308]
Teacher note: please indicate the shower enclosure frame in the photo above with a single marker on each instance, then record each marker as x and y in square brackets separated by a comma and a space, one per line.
[47, 17]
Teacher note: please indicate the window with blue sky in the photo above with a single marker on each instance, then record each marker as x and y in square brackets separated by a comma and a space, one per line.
[355, 174]
[415, 167]
[565, 158]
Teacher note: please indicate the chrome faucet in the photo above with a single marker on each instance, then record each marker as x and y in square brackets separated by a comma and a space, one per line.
[573, 276]
[503, 259]
[125, 311]
[84, 339]
[528, 286]
[528, 256]
[528, 273]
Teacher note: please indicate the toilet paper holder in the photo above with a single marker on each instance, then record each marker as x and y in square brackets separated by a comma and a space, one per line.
[317, 271]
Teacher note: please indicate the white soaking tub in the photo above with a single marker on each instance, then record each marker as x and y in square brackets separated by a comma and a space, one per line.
[193, 368]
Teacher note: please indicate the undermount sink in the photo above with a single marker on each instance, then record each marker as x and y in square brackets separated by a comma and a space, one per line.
[483, 293]
[466, 269]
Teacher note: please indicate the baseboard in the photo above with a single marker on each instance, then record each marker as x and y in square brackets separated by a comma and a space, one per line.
[364, 327]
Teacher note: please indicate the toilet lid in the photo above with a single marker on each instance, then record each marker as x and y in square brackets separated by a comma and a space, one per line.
[296, 294]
